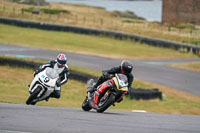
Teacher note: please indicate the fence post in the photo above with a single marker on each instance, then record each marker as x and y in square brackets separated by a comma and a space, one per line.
[58, 16]
[101, 21]
[4, 8]
[14, 10]
[84, 20]
[169, 28]
[76, 19]
[22, 11]
[190, 31]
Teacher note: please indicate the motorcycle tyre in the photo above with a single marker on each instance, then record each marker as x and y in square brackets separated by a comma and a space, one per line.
[33, 96]
[85, 105]
[107, 104]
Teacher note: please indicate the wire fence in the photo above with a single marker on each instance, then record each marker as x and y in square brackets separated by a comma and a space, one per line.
[117, 35]
[126, 25]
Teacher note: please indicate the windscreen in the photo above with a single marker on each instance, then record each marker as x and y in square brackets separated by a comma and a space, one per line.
[123, 78]
[51, 73]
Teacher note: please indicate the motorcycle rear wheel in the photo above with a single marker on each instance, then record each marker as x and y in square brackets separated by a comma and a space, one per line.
[33, 96]
[109, 101]
[85, 105]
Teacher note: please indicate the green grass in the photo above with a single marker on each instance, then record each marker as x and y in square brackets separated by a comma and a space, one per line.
[99, 18]
[193, 66]
[172, 105]
[86, 70]
[86, 44]
[14, 81]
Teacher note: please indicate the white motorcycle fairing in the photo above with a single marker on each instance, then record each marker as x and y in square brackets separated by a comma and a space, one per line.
[47, 81]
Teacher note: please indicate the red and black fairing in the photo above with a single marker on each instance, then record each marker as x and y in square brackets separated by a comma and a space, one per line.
[101, 90]
[106, 94]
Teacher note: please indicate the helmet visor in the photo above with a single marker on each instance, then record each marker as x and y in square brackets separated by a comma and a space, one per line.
[62, 62]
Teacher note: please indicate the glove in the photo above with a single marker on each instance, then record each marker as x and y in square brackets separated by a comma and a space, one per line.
[58, 83]
[106, 75]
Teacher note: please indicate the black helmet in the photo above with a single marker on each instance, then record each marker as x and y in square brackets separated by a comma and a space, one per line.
[61, 60]
[126, 67]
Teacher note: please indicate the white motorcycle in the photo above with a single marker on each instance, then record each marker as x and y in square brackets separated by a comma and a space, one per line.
[42, 86]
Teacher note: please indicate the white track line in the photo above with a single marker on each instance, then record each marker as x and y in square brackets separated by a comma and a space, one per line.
[139, 111]
[8, 131]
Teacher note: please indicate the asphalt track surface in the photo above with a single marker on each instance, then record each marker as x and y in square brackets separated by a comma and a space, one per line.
[149, 70]
[19, 118]
[16, 118]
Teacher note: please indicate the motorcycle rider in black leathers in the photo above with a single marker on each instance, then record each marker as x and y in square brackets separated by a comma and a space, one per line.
[125, 68]
[60, 67]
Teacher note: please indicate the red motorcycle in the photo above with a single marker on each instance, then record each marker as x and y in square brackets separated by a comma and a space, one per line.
[111, 90]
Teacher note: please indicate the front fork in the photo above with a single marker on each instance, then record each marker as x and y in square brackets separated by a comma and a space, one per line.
[90, 100]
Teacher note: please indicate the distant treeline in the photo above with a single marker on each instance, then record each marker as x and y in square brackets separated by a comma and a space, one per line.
[31, 2]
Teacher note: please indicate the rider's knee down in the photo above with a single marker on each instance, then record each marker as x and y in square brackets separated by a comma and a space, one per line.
[57, 94]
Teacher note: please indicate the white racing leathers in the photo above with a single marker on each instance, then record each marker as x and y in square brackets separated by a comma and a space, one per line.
[62, 72]
[47, 80]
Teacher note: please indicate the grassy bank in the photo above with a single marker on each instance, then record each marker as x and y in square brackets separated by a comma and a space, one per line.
[93, 17]
[85, 44]
[14, 81]
[193, 66]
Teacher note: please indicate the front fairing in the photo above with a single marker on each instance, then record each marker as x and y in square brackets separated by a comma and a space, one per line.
[46, 80]
[121, 82]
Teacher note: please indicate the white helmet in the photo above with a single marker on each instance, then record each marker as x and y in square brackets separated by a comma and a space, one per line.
[61, 60]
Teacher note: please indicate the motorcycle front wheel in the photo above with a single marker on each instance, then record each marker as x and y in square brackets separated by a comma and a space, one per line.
[102, 106]
[85, 105]
[33, 96]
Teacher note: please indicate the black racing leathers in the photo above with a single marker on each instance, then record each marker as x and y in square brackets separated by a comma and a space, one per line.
[113, 71]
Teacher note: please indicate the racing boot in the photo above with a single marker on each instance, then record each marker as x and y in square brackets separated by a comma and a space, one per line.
[95, 85]
[47, 98]
[91, 87]
[90, 100]
[93, 97]
[54, 94]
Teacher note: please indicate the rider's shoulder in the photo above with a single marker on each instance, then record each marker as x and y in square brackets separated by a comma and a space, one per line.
[52, 62]
[117, 68]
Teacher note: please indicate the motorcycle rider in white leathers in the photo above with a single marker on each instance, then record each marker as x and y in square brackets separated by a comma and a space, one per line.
[60, 67]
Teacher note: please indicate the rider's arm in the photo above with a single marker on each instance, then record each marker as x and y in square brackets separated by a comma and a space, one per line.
[64, 77]
[112, 70]
[42, 67]
[130, 81]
